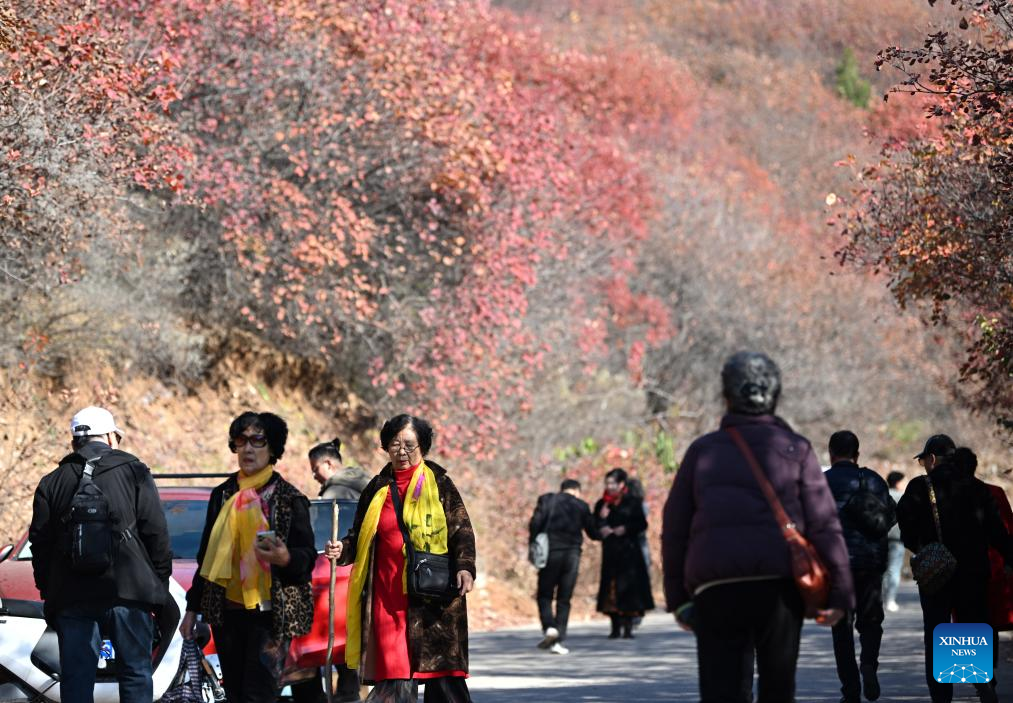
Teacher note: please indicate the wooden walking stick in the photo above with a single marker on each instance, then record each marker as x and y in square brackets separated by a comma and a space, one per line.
[328, 667]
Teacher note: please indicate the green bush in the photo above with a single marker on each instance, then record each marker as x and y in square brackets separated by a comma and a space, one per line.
[850, 84]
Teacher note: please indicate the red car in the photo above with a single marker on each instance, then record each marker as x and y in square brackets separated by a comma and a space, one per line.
[185, 511]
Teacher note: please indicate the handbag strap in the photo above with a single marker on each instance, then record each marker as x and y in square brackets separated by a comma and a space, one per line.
[784, 522]
[935, 509]
[395, 496]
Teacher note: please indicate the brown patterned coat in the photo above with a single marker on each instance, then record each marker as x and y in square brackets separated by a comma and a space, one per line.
[437, 632]
[291, 590]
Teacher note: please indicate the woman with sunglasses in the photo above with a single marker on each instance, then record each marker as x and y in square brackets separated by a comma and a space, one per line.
[254, 565]
[395, 640]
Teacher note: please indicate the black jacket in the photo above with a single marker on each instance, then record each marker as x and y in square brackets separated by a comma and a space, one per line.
[143, 563]
[844, 478]
[625, 585]
[570, 517]
[967, 514]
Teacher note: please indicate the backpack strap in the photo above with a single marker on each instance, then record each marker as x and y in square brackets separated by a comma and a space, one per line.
[89, 469]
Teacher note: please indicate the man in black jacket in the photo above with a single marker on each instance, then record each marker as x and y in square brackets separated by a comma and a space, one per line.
[116, 603]
[564, 516]
[970, 522]
[867, 512]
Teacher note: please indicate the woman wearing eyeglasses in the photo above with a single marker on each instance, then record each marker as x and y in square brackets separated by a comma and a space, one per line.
[394, 640]
[254, 564]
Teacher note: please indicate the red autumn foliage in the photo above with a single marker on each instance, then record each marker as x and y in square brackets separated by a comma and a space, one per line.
[80, 111]
[936, 215]
[388, 185]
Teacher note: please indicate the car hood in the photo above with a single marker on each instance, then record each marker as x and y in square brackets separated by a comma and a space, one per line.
[17, 580]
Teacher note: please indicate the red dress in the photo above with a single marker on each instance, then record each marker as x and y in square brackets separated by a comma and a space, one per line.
[390, 602]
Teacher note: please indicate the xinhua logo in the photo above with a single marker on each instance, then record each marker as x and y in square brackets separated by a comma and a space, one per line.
[962, 652]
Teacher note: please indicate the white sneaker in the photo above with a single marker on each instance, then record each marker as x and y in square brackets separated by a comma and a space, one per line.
[551, 638]
[558, 648]
[892, 606]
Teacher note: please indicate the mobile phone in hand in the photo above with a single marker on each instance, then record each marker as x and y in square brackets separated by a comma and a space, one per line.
[265, 536]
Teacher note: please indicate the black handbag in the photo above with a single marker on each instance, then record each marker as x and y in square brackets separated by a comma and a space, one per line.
[429, 576]
[934, 564]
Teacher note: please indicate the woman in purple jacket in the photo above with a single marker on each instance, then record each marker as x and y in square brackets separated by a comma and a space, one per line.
[727, 567]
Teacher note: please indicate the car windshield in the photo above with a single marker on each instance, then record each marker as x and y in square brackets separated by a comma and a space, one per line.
[185, 519]
[320, 516]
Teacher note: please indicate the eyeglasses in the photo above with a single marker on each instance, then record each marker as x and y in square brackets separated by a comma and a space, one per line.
[257, 441]
[396, 447]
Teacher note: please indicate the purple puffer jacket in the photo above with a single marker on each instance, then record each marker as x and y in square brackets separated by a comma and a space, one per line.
[718, 524]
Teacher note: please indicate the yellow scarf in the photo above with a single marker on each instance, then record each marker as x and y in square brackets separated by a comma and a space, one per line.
[231, 560]
[427, 527]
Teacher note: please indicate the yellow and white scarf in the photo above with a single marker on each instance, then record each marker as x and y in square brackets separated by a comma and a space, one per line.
[426, 523]
[231, 559]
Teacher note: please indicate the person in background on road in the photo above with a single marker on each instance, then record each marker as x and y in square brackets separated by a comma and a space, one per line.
[970, 522]
[394, 640]
[1000, 584]
[728, 574]
[865, 527]
[336, 483]
[895, 547]
[566, 518]
[624, 591]
[636, 490]
[255, 564]
[120, 599]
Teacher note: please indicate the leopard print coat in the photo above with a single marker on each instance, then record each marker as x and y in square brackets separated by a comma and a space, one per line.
[291, 588]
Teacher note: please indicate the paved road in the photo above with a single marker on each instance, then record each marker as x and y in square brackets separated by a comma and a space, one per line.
[660, 664]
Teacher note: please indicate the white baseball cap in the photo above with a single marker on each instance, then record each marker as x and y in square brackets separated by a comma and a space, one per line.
[93, 421]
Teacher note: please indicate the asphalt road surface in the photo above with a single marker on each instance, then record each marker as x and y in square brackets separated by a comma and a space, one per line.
[660, 664]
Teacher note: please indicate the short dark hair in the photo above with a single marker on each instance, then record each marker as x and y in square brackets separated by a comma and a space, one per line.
[330, 449]
[635, 488]
[273, 426]
[617, 475]
[965, 460]
[893, 478]
[844, 444]
[391, 428]
[569, 484]
[76, 443]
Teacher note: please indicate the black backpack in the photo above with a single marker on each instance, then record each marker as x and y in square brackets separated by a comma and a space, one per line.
[868, 513]
[90, 522]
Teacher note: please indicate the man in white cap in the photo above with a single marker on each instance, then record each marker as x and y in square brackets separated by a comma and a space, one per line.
[101, 557]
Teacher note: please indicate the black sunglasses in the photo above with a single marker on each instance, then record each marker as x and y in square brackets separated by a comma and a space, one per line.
[257, 441]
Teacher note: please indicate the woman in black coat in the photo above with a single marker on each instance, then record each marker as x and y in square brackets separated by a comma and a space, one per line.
[624, 591]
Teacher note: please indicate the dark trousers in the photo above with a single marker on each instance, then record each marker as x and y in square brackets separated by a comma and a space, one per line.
[867, 618]
[446, 689]
[251, 660]
[556, 580]
[312, 690]
[964, 596]
[739, 622]
[131, 630]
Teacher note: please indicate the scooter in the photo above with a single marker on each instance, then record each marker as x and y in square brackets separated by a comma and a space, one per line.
[30, 655]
